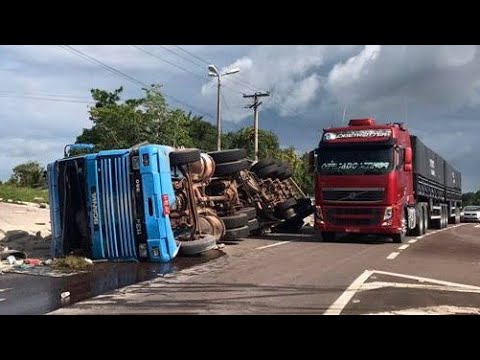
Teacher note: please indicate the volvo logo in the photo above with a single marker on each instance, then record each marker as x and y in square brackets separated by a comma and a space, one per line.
[352, 196]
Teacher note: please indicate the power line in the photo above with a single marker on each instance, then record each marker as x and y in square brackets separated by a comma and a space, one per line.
[128, 77]
[236, 81]
[45, 98]
[204, 77]
[183, 57]
[192, 54]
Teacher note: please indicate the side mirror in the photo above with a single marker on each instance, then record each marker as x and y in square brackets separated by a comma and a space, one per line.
[311, 161]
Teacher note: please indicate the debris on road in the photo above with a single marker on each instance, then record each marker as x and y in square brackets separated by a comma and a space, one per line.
[72, 263]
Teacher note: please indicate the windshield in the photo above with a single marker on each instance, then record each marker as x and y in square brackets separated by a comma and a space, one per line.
[472, 208]
[355, 161]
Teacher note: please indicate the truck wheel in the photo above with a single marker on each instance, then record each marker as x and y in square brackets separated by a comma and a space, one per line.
[285, 173]
[419, 229]
[250, 211]
[184, 156]
[235, 221]
[426, 220]
[400, 238]
[231, 168]
[237, 234]
[194, 247]
[268, 172]
[226, 156]
[289, 227]
[253, 225]
[457, 216]
[328, 236]
[261, 164]
[286, 205]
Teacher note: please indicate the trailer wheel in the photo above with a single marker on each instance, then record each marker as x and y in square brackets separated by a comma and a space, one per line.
[194, 247]
[268, 171]
[250, 211]
[231, 168]
[235, 221]
[253, 225]
[285, 173]
[287, 204]
[457, 215]
[290, 226]
[226, 156]
[184, 156]
[261, 164]
[237, 233]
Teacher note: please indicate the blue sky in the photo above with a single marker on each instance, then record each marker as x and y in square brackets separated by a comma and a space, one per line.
[44, 96]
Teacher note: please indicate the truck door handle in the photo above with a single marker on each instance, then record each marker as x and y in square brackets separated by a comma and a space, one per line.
[150, 207]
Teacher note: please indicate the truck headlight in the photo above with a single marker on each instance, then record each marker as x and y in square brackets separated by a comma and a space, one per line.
[387, 217]
[388, 213]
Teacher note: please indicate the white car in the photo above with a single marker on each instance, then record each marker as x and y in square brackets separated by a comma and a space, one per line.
[471, 213]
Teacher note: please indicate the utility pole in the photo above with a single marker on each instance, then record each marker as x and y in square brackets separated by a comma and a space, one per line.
[255, 107]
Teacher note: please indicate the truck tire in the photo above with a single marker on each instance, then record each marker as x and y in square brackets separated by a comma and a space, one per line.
[290, 226]
[419, 229]
[457, 215]
[284, 173]
[253, 225]
[287, 204]
[231, 168]
[400, 238]
[184, 156]
[426, 220]
[226, 156]
[268, 171]
[250, 211]
[235, 221]
[194, 247]
[237, 234]
[261, 164]
[328, 236]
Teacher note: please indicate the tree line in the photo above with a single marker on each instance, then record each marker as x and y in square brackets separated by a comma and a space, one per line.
[118, 123]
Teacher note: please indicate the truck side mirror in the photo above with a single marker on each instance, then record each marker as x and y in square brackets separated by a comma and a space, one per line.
[408, 159]
[311, 161]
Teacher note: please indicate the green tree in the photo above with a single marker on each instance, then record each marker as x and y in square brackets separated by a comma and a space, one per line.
[29, 174]
[202, 133]
[268, 144]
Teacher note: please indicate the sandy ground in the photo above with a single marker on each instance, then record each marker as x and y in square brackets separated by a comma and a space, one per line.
[25, 228]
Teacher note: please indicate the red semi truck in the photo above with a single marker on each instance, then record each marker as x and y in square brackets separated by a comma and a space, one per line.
[379, 179]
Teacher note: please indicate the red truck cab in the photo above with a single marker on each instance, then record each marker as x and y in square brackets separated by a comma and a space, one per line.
[363, 179]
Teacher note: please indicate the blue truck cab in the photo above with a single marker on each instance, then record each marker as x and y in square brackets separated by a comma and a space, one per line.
[113, 205]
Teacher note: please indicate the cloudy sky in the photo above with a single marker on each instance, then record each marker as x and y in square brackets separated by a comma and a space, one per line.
[44, 92]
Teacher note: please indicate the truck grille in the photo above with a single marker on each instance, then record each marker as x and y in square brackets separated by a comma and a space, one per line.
[353, 216]
[353, 195]
[115, 208]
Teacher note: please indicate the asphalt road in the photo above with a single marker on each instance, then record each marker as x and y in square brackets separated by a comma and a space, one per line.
[296, 274]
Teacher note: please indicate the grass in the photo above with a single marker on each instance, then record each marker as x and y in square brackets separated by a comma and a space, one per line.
[71, 263]
[18, 193]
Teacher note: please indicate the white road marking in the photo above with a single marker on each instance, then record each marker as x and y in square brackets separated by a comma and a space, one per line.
[272, 245]
[1, 299]
[337, 307]
[2, 290]
[423, 279]
[421, 237]
[413, 241]
[477, 226]
[403, 247]
[382, 284]
[393, 255]
[432, 310]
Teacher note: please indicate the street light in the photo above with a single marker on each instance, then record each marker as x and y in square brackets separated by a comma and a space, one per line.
[213, 72]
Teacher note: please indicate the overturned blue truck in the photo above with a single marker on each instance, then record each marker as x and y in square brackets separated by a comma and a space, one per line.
[151, 202]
